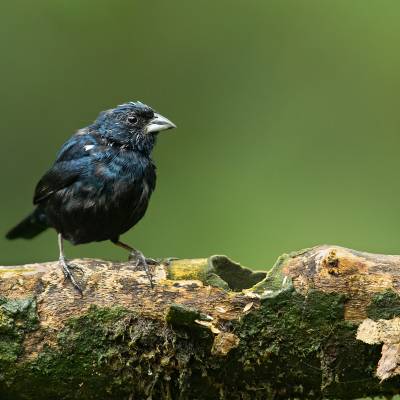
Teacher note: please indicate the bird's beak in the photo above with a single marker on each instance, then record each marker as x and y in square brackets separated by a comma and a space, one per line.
[159, 123]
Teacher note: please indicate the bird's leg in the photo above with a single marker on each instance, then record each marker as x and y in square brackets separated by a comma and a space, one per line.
[66, 267]
[150, 261]
[139, 258]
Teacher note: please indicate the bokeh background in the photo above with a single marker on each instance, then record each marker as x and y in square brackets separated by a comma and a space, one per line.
[288, 116]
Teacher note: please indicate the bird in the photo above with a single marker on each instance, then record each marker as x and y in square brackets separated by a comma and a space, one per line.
[100, 184]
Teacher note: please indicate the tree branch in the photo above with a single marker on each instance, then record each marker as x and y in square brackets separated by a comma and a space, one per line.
[323, 323]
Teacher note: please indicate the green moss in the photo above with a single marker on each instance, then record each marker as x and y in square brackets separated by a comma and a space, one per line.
[385, 305]
[275, 281]
[6, 323]
[304, 340]
[110, 354]
[183, 320]
[233, 274]
[17, 317]
[86, 348]
[181, 315]
[21, 309]
[216, 281]
[217, 271]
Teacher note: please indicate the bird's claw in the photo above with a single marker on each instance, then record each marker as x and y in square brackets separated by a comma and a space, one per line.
[136, 255]
[66, 268]
[75, 267]
[154, 261]
[142, 262]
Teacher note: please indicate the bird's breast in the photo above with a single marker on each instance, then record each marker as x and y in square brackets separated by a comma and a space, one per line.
[116, 178]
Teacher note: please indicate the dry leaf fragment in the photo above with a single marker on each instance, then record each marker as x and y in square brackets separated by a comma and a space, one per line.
[248, 306]
[203, 323]
[386, 331]
[209, 325]
[214, 329]
[388, 365]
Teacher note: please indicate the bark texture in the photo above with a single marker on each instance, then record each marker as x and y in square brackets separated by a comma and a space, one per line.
[323, 323]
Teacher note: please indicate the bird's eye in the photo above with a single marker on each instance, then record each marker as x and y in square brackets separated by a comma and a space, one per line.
[132, 119]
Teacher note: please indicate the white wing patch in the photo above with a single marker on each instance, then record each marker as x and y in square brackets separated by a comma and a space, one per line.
[88, 147]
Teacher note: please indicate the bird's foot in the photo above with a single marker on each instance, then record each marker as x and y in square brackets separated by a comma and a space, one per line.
[142, 262]
[66, 267]
[154, 261]
[159, 261]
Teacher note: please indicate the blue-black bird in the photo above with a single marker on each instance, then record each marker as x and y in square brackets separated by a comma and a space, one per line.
[100, 184]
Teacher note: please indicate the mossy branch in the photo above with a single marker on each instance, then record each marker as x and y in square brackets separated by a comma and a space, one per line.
[323, 323]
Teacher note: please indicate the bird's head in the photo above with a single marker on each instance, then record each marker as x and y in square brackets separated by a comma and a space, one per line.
[134, 124]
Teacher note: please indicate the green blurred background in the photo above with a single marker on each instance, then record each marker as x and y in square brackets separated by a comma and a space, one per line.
[289, 128]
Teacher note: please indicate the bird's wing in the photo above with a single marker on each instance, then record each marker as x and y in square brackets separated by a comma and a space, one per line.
[58, 177]
[71, 161]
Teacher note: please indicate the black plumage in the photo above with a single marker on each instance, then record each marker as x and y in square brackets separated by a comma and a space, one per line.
[101, 182]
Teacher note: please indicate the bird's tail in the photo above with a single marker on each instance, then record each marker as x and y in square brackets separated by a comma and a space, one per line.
[29, 227]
